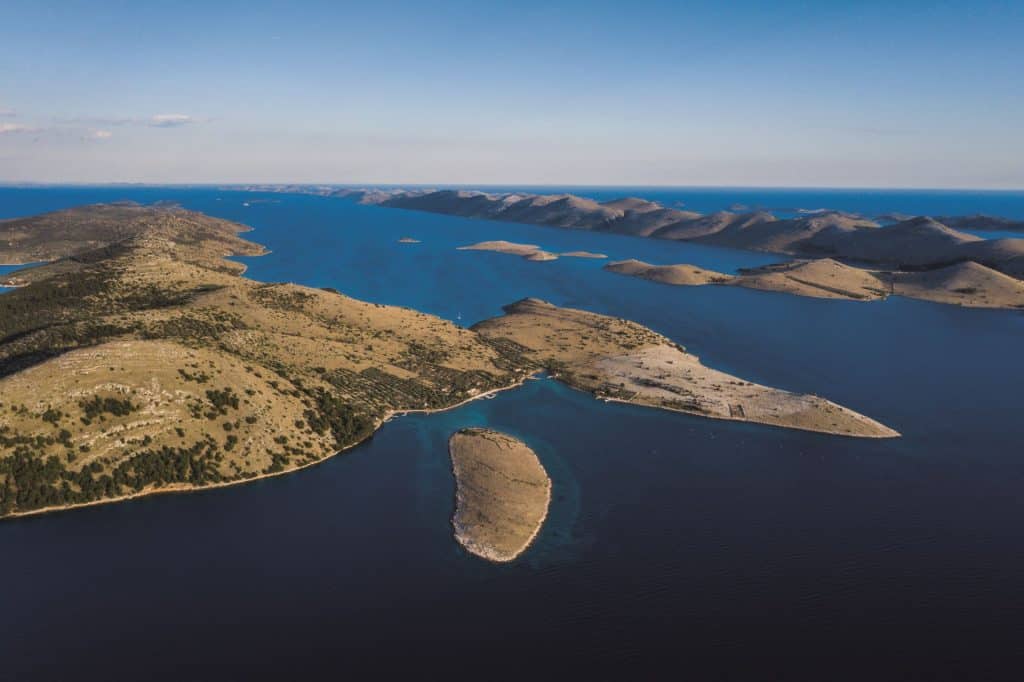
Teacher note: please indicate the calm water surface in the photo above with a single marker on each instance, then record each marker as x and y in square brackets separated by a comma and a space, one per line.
[676, 546]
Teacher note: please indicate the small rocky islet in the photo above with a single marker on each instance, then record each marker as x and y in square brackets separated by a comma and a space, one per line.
[502, 493]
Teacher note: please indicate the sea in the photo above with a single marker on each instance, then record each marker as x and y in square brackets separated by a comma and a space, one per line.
[676, 547]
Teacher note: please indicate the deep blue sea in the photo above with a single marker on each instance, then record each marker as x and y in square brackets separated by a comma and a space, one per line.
[676, 547]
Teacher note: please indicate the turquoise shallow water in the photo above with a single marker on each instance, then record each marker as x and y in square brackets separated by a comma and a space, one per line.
[709, 549]
[5, 269]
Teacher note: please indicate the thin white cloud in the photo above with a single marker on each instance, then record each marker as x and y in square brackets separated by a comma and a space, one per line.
[7, 113]
[99, 121]
[94, 128]
[154, 121]
[170, 120]
[15, 128]
[56, 133]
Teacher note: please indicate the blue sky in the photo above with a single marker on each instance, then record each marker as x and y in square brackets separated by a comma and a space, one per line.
[869, 93]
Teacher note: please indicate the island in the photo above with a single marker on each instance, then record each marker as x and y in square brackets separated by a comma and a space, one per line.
[680, 275]
[966, 284]
[583, 254]
[502, 493]
[905, 243]
[527, 251]
[914, 241]
[140, 360]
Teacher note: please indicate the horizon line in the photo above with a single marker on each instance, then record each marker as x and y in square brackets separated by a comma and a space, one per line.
[444, 185]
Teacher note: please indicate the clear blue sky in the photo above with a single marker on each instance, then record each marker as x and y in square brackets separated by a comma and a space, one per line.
[820, 93]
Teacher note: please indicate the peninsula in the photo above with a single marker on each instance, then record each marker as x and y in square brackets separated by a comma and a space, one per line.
[502, 493]
[616, 359]
[140, 361]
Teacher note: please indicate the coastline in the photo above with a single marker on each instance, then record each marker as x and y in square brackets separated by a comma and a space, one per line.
[880, 436]
[5, 283]
[220, 240]
[182, 489]
[703, 415]
[495, 559]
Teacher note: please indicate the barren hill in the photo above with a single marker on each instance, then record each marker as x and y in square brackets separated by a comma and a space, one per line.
[821, 278]
[913, 243]
[684, 275]
[148, 367]
[982, 222]
[968, 283]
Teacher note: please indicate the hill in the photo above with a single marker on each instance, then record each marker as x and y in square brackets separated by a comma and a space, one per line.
[144, 367]
[966, 283]
[78, 232]
[969, 284]
[785, 236]
[980, 221]
[820, 278]
[916, 242]
[919, 242]
[682, 275]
